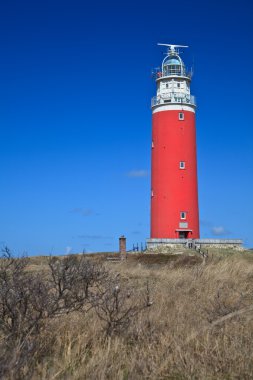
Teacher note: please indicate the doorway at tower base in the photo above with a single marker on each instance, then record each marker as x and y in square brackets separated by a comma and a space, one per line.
[169, 245]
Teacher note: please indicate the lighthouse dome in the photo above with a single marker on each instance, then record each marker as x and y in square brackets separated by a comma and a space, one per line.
[173, 65]
[172, 60]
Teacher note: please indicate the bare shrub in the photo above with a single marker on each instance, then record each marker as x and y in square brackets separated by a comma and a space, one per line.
[23, 307]
[117, 304]
[71, 280]
[28, 301]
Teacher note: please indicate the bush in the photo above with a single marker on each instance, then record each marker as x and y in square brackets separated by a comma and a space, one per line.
[28, 301]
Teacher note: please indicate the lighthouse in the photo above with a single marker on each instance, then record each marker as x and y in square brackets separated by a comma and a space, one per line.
[174, 186]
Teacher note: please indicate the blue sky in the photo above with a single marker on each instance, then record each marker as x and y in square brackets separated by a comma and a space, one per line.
[75, 118]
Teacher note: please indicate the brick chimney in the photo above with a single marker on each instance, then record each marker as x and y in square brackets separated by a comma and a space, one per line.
[122, 245]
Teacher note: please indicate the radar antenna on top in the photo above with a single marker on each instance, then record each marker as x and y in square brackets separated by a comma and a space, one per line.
[171, 47]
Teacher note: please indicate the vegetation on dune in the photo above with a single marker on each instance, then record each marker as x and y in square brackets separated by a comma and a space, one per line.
[147, 317]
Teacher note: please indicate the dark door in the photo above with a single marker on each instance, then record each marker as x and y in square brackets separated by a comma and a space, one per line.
[183, 234]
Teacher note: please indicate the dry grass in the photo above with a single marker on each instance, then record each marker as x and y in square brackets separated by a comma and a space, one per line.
[200, 325]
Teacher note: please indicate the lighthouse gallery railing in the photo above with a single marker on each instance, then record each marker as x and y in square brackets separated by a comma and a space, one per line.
[173, 98]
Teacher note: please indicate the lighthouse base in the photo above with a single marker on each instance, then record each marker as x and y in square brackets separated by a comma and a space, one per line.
[170, 245]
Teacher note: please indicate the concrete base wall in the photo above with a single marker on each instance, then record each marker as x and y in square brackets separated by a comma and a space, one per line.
[167, 245]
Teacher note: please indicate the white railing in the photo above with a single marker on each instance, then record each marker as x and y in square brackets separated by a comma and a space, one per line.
[171, 73]
[173, 98]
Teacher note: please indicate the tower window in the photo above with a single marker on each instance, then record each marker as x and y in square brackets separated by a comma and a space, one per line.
[182, 215]
[181, 116]
[152, 144]
[167, 85]
[178, 85]
[182, 165]
[152, 193]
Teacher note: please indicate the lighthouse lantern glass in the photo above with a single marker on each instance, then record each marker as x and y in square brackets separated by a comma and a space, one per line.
[173, 65]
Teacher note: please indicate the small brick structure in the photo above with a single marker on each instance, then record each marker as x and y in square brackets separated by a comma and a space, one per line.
[122, 245]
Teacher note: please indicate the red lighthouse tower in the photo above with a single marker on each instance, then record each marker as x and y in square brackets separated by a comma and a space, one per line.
[174, 190]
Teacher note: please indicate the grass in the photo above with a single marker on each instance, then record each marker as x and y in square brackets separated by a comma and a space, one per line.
[199, 326]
